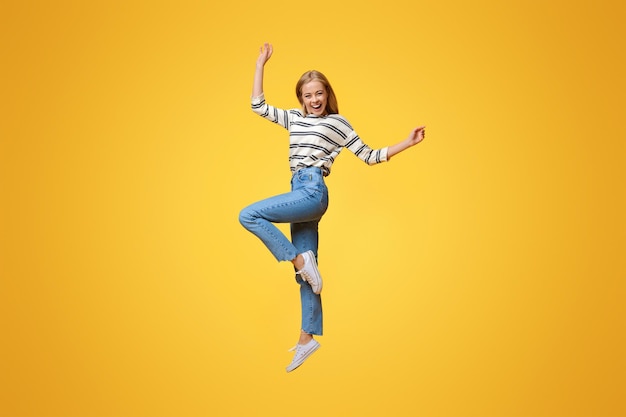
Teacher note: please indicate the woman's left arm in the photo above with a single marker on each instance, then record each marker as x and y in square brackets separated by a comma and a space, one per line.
[415, 137]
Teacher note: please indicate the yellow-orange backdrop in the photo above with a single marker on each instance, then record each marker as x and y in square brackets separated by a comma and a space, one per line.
[481, 273]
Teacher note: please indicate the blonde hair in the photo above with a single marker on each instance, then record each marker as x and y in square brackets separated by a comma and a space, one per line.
[307, 77]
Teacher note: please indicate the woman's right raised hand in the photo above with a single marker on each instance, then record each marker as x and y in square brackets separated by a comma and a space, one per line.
[264, 55]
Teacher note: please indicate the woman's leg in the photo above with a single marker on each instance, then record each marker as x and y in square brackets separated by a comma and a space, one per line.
[305, 237]
[296, 206]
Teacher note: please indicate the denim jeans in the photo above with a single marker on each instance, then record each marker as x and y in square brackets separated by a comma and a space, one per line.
[303, 208]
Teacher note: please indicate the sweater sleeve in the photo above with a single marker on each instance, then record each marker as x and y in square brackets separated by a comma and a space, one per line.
[271, 113]
[354, 143]
[365, 153]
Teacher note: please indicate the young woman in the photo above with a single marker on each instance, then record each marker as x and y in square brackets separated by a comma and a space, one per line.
[317, 133]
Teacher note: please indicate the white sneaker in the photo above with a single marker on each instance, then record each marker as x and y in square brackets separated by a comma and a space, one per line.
[302, 353]
[310, 273]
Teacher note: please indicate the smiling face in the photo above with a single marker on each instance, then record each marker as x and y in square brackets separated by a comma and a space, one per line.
[314, 98]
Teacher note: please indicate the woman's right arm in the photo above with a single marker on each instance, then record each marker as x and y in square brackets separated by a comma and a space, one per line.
[264, 56]
[259, 106]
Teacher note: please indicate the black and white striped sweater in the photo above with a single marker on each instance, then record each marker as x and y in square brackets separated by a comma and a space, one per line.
[316, 141]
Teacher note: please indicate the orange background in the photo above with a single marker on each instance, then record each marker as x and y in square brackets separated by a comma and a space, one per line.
[481, 273]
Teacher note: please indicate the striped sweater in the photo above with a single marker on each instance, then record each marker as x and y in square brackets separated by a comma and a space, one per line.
[316, 141]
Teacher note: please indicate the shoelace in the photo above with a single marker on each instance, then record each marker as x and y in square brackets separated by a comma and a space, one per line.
[298, 348]
[306, 276]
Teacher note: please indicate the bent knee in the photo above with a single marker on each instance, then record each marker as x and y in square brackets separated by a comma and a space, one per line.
[246, 217]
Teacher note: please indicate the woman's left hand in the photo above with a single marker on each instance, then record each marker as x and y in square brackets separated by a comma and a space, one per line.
[417, 135]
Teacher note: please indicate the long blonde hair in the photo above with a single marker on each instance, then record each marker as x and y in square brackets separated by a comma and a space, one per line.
[307, 77]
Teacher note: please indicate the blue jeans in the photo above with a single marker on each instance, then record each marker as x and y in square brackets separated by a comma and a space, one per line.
[303, 208]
